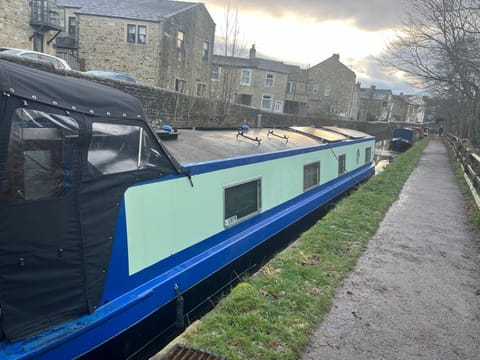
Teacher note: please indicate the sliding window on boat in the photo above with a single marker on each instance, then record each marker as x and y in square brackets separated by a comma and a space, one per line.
[311, 175]
[40, 156]
[368, 154]
[118, 148]
[242, 201]
[342, 164]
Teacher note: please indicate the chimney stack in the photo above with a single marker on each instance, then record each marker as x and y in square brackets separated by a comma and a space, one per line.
[252, 52]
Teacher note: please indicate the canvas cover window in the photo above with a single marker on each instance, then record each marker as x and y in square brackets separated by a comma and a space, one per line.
[118, 148]
[40, 156]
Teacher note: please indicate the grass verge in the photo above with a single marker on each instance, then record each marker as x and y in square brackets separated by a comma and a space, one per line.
[271, 314]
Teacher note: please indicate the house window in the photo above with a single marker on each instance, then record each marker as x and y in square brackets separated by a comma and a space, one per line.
[216, 72]
[341, 164]
[245, 77]
[180, 40]
[131, 33]
[180, 85]
[134, 36]
[291, 87]
[245, 99]
[267, 102]
[201, 89]
[206, 49]
[71, 26]
[311, 175]
[269, 80]
[278, 106]
[315, 89]
[328, 91]
[368, 154]
[242, 201]
[142, 34]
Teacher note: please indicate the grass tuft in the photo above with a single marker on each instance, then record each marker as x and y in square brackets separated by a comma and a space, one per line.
[272, 313]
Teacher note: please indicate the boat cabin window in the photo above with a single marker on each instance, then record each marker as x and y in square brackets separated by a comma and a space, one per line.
[40, 156]
[341, 164]
[311, 175]
[242, 201]
[117, 148]
[368, 154]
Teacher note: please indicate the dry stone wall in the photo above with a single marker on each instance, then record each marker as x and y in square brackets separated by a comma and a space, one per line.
[177, 110]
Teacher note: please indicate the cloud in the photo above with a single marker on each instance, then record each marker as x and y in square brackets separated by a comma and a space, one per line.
[369, 72]
[365, 14]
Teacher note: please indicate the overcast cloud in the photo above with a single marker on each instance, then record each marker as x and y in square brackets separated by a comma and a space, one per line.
[365, 14]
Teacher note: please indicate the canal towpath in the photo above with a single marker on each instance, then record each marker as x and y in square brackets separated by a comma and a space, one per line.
[415, 292]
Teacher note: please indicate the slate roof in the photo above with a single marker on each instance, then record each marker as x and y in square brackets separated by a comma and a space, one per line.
[255, 63]
[149, 10]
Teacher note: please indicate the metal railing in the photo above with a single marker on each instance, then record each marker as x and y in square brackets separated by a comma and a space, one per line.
[470, 162]
[47, 14]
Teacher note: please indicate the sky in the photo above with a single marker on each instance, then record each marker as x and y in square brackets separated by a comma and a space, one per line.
[306, 32]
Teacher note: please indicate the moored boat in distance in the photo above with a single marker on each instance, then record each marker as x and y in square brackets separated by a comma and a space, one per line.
[109, 233]
[403, 139]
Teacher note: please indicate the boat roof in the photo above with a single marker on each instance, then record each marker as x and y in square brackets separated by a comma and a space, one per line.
[353, 134]
[68, 93]
[194, 146]
[320, 133]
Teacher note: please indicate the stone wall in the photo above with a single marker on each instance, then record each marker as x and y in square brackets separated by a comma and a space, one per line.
[14, 24]
[103, 45]
[178, 110]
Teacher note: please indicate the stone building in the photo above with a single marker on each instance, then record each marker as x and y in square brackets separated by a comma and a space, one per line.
[408, 108]
[162, 43]
[253, 81]
[330, 89]
[31, 25]
[374, 104]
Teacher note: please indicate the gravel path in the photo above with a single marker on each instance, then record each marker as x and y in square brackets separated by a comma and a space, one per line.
[415, 293]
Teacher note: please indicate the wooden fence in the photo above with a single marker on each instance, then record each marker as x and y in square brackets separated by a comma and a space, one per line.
[470, 162]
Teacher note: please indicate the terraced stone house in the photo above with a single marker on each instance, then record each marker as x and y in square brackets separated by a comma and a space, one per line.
[162, 43]
[326, 90]
[331, 89]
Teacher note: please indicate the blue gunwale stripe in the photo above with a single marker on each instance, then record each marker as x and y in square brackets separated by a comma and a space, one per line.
[125, 311]
[215, 165]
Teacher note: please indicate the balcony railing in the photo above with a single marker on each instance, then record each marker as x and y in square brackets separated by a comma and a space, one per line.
[47, 15]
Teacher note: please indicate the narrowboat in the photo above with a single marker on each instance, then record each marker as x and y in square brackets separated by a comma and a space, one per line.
[403, 139]
[108, 232]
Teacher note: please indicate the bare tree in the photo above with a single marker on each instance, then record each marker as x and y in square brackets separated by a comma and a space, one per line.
[438, 47]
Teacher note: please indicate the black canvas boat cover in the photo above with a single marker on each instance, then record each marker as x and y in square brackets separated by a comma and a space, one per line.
[57, 219]
[67, 93]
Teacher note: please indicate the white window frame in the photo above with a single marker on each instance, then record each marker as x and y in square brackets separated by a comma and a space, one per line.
[291, 87]
[278, 106]
[242, 77]
[315, 89]
[206, 49]
[269, 79]
[264, 98]
[216, 72]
